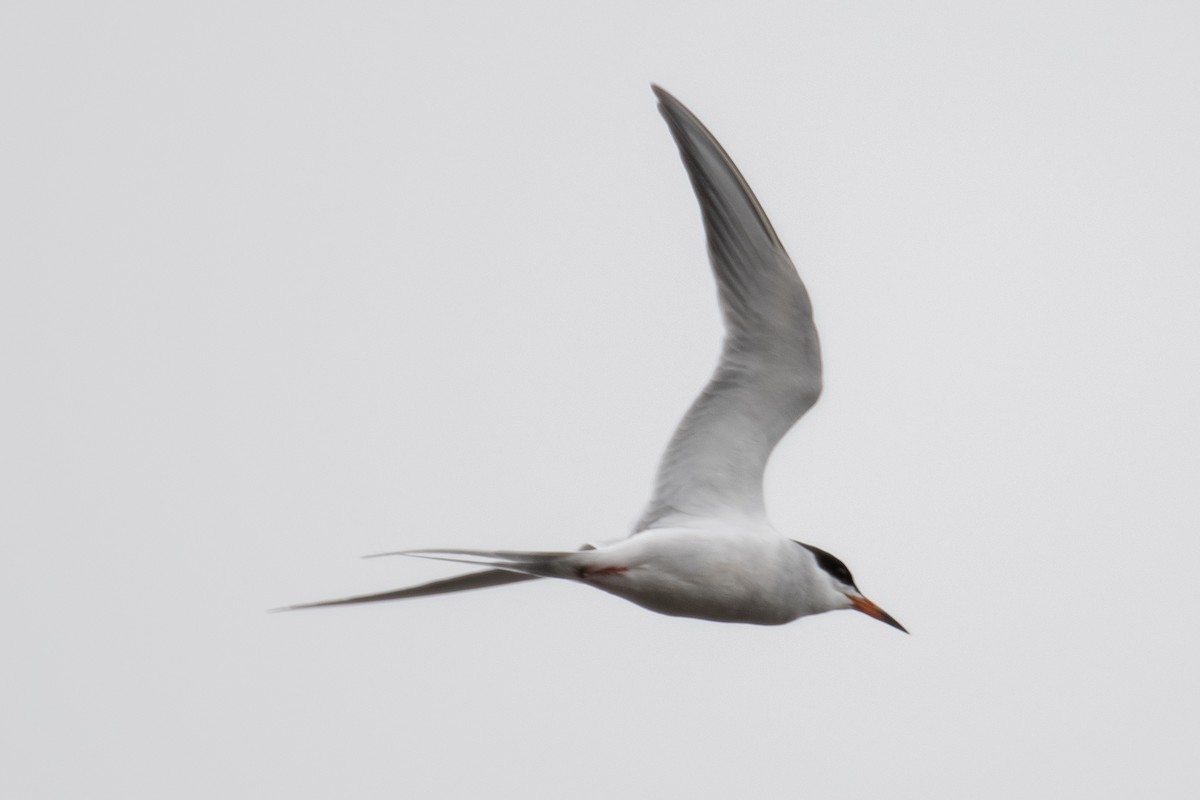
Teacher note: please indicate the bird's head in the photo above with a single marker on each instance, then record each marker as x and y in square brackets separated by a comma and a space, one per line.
[837, 589]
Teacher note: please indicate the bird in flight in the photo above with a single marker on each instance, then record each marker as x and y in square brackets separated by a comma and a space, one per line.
[703, 547]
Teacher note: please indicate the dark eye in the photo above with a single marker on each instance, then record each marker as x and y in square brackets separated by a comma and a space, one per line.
[831, 564]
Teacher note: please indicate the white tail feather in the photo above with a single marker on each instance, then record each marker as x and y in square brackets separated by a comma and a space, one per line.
[542, 564]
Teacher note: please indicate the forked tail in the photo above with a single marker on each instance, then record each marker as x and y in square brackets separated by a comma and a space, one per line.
[541, 564]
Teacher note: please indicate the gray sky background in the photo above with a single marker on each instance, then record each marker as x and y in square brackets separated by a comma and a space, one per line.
[288, 283]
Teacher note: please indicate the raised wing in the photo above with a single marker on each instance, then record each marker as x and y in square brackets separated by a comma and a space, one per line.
[770, 368]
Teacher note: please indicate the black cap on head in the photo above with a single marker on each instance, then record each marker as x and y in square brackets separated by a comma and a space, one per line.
[831, 564]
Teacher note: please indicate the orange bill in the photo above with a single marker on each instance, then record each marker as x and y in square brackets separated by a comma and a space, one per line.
[871, 610]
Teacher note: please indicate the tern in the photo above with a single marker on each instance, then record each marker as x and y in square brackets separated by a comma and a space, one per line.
[703, 548]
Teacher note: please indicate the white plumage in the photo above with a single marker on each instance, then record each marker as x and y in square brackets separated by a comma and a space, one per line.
[703, 547]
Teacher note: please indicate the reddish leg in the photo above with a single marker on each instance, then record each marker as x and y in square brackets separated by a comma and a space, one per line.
[591, 573]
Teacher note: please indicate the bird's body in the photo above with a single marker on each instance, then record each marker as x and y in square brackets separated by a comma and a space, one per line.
[715, 570]
[703, 547]
[719, 572]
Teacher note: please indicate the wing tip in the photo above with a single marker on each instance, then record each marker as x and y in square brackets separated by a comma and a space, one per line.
[669, 106]
[694, 140]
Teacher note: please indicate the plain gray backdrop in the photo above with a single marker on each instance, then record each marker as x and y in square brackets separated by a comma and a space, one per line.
[288, 283]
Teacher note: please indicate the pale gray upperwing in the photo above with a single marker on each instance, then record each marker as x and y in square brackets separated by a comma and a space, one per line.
[769, 373]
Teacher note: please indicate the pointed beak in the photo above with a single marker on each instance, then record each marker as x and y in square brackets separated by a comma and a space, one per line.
[871, 610]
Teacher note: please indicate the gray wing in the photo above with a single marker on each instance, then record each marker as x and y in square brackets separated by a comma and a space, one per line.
[769, 373]
[459, 583]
